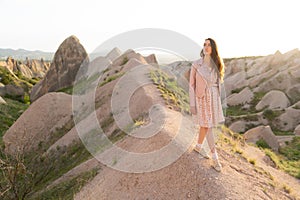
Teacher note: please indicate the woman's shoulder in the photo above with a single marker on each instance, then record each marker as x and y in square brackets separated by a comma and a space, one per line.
[198, 62]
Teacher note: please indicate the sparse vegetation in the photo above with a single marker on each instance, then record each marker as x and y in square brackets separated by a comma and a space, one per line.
[175, 97]
[292, 167]
[111, 78]
[234, 141]
[81, 86]
[27, 173]
[263, 144]
[20, 81]
[257, 97]
[287, 189]
[236, 149]
[56, 135]
[67, 90]
[279, 132]
[292, 150]
[6, 77]
[67, 190]
[252, 161]
[236, 111]
[247, 113]
[138, 122]
[9, 113]
[237, 90]
[125, 60]
[271, 114]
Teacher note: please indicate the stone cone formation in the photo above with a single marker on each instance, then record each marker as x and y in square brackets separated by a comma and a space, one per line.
[63, 69]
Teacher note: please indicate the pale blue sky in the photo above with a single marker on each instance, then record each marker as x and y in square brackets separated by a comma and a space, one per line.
[241, 28]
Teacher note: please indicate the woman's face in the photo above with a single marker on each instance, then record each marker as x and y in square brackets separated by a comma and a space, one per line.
[207, 47]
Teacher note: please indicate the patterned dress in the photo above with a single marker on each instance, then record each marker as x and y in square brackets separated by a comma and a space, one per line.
[209, 108]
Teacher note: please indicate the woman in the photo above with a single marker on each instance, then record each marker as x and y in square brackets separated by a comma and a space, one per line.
[205, 102]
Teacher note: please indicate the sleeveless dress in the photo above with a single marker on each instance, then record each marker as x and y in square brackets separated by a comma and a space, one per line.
[209, 108]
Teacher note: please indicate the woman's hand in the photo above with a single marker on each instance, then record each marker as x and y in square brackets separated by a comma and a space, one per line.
[193, 110]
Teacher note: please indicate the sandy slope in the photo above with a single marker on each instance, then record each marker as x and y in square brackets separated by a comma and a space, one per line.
[189, 177]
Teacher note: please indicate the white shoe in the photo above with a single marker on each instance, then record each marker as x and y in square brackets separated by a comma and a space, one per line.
[202, 152]
[217, 165]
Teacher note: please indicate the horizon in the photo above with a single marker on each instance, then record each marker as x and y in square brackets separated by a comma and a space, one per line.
[146, 53]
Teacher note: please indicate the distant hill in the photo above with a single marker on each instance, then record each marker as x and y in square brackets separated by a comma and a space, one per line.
[21, 54]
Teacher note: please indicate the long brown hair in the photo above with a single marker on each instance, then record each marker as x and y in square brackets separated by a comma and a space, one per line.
[215, 58]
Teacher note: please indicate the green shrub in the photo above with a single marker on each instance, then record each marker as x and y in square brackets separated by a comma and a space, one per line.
[5, 76]
[9, 113]
[292, 150]
[270, 114]
[26, 99]
[263, 144]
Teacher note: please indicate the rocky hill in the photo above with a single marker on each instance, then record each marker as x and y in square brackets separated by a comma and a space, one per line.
[30, 68]
[18, 77]
[60, 138]
[264, 91]
[63, 69]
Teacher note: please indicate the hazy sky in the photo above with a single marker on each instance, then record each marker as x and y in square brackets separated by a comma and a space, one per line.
[241, 28]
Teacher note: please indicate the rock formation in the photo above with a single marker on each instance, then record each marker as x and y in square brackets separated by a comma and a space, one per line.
[64, 68]
[243, 97]
[35, 124]
[273, 100]
[30, 68]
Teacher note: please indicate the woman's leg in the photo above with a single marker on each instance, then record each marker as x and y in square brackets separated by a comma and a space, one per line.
[211, 142]
[202, 134]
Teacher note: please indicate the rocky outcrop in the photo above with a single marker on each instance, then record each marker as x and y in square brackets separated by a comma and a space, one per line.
[124, 58]
[262, 132]
[273, 100]
[98, 65]
[280, 81]
[14, 90]
[25, 71]
[294, 92]
[274, 81]
[35, 124]
[151, 59]
[236, 81]
[289, 119]
[244, 96]
[238, 126]
[38, 68]
[30, 68]
[64, 68]
[53, 110]
[113, 54]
